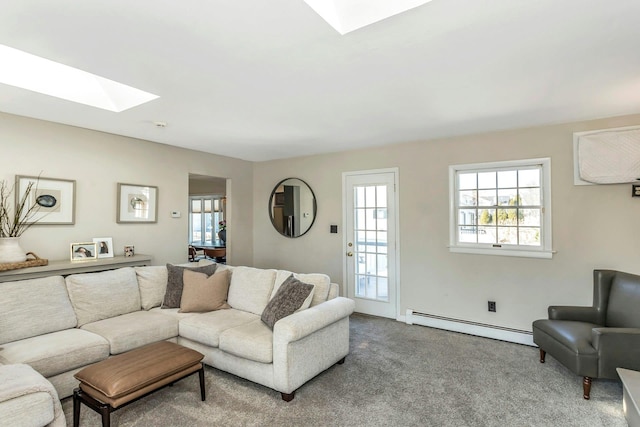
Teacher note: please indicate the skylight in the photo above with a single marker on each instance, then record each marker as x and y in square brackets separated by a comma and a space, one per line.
[41, 75]
[349, 15]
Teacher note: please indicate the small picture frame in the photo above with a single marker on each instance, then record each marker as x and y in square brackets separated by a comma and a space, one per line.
[129, 251]
[137, 204]
[83, 251]
[56, 199]
[104, 247]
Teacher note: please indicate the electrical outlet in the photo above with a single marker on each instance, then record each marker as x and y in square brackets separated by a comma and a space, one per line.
[492, 306]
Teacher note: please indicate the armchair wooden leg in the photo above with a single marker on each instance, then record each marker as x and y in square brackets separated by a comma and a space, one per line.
[586, 387]
[542, 355]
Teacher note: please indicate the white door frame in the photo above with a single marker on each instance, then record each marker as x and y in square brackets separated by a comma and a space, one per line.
[396, 194]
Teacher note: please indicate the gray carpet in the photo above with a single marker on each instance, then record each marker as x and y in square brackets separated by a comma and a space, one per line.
[395, 375]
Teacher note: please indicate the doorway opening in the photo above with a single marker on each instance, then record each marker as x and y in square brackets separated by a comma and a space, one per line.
[207, 214]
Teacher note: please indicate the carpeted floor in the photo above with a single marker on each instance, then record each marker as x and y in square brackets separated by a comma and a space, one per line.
[397, 375]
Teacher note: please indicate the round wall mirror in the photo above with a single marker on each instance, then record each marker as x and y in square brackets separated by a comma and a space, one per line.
[292, 207]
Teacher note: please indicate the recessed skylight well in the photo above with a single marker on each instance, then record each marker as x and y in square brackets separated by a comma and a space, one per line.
[31, 72]
[349, 15]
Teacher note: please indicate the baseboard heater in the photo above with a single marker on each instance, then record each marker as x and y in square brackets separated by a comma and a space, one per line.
[472, 328]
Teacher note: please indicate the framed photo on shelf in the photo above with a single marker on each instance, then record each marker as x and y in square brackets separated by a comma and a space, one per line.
[83, 251]
[137, 204]
[104, 247]
[129, 251]
[56, 199]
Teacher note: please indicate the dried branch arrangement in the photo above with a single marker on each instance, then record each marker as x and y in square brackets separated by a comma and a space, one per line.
[14, 222]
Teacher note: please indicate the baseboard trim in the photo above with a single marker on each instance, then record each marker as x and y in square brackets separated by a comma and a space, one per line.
[472, 328]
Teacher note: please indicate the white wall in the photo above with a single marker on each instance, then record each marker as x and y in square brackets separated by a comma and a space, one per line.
[593, 226]
[98, 161]
[207, 187]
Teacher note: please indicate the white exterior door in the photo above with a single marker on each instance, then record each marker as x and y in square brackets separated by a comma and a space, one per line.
[371, 241]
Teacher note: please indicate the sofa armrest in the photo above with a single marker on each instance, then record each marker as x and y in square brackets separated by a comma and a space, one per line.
[310, 341]
[617, 348]
[568, 312]
[305, 322]
[21, 385]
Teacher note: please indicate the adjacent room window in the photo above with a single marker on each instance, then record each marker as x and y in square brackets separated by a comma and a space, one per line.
[205, 212]
[501, 208]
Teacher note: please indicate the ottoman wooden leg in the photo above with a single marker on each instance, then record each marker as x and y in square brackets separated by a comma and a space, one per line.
[103, 409]
[76, 408]
[106, 416]
[202, 392]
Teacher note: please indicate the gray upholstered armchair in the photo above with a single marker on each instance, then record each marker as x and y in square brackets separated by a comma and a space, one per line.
[594, 341]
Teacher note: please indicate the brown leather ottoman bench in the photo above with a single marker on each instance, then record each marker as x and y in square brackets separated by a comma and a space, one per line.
[115, 382]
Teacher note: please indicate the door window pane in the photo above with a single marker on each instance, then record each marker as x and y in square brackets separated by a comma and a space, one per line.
[371, 241]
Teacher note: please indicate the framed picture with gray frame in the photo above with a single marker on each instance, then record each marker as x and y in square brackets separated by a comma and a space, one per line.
[56, 199]
[137, 204]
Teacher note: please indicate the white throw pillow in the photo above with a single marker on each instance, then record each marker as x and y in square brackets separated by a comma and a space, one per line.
[322, 284]
[250, 289]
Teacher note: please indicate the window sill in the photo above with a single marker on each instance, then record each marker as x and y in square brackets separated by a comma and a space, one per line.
[544, 254]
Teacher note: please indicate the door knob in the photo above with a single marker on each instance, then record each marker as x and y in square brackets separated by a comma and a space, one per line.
[349, 253]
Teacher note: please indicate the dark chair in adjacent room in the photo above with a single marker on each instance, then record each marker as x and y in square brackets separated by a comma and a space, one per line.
[593, 341]
[195, 254]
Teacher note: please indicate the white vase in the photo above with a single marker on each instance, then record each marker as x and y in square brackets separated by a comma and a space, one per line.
[10, 250]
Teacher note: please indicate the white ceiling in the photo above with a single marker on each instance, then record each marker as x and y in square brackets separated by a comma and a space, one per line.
[261, 80]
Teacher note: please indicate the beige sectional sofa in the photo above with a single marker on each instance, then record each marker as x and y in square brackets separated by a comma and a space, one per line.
[57, 326]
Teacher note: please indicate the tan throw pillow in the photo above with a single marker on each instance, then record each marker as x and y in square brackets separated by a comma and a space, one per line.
[204, 293]
[173, 294]
[292, 296]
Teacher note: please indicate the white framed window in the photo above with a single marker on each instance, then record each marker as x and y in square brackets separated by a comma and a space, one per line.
[501, 208]
[205, 214]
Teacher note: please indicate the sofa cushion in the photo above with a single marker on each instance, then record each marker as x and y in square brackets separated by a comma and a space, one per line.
[34, 307]
[97, 296]
[133, 330]
[152, 281]
[334, 291]
[206, 328]
[204, 293]
[172, 312]
[175, 283]
[322, 284]
[624, 300]
[57, 352]
[253, 341]
[293, 295]
[251, 288]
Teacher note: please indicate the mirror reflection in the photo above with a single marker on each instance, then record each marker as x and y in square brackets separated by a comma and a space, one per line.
[292, 207]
